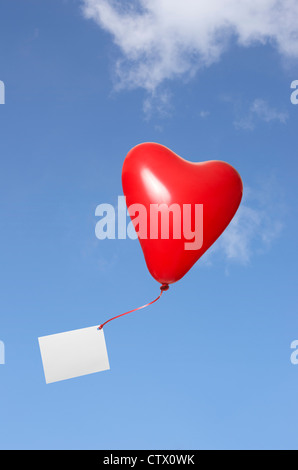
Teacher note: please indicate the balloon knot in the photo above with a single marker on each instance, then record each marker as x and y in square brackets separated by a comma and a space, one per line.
[164, 287]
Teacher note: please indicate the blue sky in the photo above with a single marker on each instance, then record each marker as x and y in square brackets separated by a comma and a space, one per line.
[208, 366]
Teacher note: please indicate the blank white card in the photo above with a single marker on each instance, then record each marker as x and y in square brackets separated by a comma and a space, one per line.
[73, 354]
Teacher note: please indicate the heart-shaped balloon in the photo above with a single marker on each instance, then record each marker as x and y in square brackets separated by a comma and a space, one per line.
[192, 203]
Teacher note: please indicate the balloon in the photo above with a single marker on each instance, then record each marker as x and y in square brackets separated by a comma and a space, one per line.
[206, 194]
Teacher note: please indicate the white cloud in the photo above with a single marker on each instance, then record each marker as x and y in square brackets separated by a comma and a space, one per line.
[164, 39]
[260, 110]
[251, 230]
[257, 224]
[158, 102]
[204, 114]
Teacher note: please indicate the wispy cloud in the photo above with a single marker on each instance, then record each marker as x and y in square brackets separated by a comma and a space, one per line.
[252, 231]
[158, 103]
[165, 39]
[260, 110]
[258, 223]
[204, 114]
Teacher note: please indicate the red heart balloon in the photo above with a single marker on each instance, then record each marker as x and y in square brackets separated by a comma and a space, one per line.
[207, 195]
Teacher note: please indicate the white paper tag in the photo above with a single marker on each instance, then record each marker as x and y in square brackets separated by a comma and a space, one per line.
[74, 353]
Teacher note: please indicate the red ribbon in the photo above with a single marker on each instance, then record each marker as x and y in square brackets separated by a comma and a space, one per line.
[163, 288]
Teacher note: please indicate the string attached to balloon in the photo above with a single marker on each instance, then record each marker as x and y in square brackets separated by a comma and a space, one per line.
[153, 175]
[163, 288]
